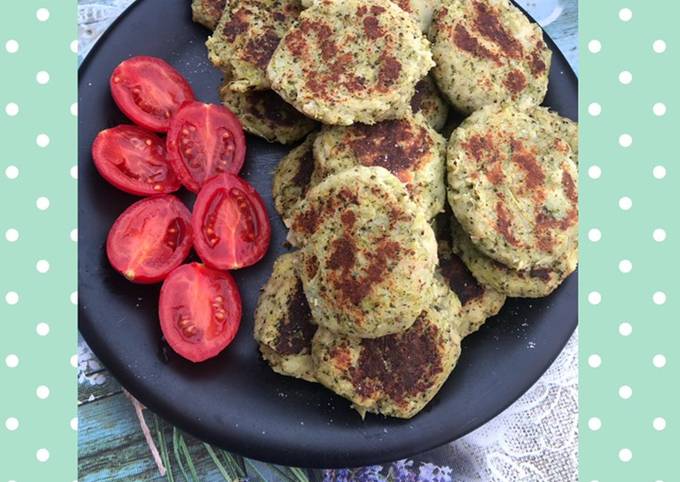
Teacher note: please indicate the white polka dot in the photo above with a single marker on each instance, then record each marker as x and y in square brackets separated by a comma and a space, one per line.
[42, 392]
[659, 361]
[43, 140]
[594, 172]
[594, 109]
[594, 235]
[12, 46]
[42, 455]
[42, 203]
[42, 329]
[74, 361]
[625, 14]
[625, 203]
[11, 424]
[625, 140]
[594, 46]
[625, 77]
[625, 455]
[74, 424]
[11, 235]
[43, 266]
[42, 14]
[659, 109]
[625, 266]
[12, 298]
[12, 172]
[659, 235]
[74, 235]
[12, 109]
[594, 424]
[659, 423]
[659, 172]
[12, 361]
[594, 298]
[659, 46]
[74, 46]
[594, 361]
[42, 77]
[74, 172]
[625, 329]
[74, 109]
[659, 298]
[74, 297]
[625, 392]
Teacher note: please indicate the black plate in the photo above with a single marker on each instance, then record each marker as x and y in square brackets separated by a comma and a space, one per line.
[235, 400]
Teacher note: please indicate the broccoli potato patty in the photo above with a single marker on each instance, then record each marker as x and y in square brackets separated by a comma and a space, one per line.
[347, 61]
[368, 253]
[487, 51]
[283, 321]
[513, 185]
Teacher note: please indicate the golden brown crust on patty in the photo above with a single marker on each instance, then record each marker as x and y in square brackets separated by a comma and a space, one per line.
[247, 36]
[283, 321]
[208, 12]
[408, 148]
[512, 191]
[265, 114]
[396, 374]
[348, 61]
[487, 51]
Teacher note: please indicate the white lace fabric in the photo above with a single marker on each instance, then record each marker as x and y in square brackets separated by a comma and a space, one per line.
[535, 439]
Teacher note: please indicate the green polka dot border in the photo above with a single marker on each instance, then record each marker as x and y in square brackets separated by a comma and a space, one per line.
[38, 241]
[629, 296]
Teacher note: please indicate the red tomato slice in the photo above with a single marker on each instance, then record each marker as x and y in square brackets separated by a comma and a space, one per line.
[204, 140]
[230, 223]
[200, 311]
[149, 91]
[151, 238]
[133, 160]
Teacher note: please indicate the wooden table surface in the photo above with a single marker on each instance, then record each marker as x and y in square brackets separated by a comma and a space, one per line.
[110, 441]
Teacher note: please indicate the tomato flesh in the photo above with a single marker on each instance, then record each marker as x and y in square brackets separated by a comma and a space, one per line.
[150, 238]
[230, 224]
[205, 140]
[200, 311]
[133, 160]
[149, 91]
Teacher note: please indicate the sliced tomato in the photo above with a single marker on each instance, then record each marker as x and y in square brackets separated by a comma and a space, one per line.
[149, 91]
[204, 140]
[230, 223]
[134, 161]
[151, 238]
[200, 311]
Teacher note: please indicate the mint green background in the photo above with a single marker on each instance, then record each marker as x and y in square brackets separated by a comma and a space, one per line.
[43, 360]
[627, 297]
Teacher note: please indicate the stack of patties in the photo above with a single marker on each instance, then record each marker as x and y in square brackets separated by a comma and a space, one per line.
[512, 186]
[387, 334]
[370, 304]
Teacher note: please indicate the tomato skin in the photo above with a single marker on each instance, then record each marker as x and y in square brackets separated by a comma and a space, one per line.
[205, 140]
[200, 311]
[230, 223]
[149, 91]
[133, 160]
[150, 238]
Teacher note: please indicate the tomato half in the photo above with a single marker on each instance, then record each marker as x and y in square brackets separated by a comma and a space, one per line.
[149, 91]
[133, 160]
[204, 140]
[230, 223]
[151, 238]
[200, 311]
